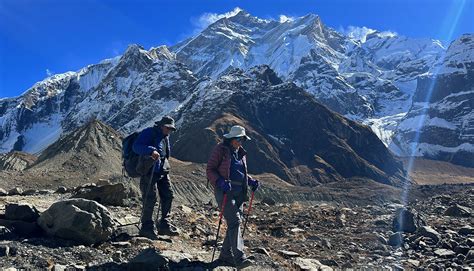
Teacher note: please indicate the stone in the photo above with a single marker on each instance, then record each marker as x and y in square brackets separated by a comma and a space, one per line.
[457, 210]
[396, 239]
[61, 190]
[406, 221]
[4, 250]
[305, 264]
[177, 257]
[461, 250]
[148, 259]
[466, 230]
[22, 228]
[429, 232]
[21, 211]
[15, 191]
[288, 254]
[81, 220]
[262, 250]
[442, 252]
[30, 192]
[118, 194]
[268, 200]
[5, 233]
[117, 256]
[277, 231]
[59, 267]
[3, 192]
[469, 257]
[185, 209]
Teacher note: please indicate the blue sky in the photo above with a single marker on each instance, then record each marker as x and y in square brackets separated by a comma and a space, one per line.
[41, 37]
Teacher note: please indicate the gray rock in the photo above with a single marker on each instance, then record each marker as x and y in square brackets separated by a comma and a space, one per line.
[21, 211]
[442, 252]
[469, 257]
[406, 221]
[305, 264]
[3, 192]
[5, 233]
[396, 239]
[262, 250]
[177, 257]
[457, 210]
[288, 254]
[268, 200]
[4, 250]
[119, 194]
[82, 220]
[15, 191]
[148, 259]
[22, 228]
[429, 232]
[61, 190]
[466, 230]
[30, 192]
[461, 250]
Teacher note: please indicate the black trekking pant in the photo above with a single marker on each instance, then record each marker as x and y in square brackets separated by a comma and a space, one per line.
[159, 183]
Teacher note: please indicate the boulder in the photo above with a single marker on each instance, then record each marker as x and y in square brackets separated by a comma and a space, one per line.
[3, 192]
[21, 211]
[148, 259]
[406, 221]
[429, 232]
[82, 220]
[118, 194]
[457, 210]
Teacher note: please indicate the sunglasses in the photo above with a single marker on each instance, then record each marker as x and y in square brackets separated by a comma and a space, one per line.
[241, 139]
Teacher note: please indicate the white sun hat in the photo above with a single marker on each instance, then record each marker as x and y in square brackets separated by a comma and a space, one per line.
[236, 131]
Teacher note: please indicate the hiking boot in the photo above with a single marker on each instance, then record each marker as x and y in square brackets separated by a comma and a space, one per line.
[244, 263]
[168, 229]
[148, 233]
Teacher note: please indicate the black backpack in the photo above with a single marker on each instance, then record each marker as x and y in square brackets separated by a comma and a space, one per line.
[129, 157]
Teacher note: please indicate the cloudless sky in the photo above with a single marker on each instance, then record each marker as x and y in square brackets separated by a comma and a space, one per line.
[40, 37]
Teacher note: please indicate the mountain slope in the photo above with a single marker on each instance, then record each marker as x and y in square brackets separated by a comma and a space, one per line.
[294, 137]
[440, 123]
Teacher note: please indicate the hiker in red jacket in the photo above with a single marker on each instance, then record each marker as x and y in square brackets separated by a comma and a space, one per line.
[227, 172]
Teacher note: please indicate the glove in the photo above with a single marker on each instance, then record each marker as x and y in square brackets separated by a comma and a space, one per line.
[224, 185]
[254, 184]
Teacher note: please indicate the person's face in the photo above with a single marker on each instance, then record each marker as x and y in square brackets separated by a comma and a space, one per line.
[166, 130]
[237, 142]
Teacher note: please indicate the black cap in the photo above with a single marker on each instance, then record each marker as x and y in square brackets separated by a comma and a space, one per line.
[166, 121]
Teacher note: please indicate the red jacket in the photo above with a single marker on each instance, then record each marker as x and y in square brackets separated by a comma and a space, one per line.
[219, 163]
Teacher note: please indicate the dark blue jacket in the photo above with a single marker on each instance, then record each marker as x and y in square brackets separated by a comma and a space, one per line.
[145, 144]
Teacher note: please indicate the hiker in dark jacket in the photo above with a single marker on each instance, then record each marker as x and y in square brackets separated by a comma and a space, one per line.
[227, 172]
[154, 142]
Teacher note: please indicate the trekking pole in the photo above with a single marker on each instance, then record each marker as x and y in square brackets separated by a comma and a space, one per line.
[148, 189]
[248, 213]
[224, 201]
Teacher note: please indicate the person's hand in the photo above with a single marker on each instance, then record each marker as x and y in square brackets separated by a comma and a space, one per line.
[155, 155]
[224, 185]
[254, 184]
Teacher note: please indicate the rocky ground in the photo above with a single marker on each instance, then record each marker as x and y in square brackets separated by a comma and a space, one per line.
[436, 233]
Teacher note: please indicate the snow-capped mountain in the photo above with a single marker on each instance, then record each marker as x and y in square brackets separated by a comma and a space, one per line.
[369, 76]
[440, 122]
